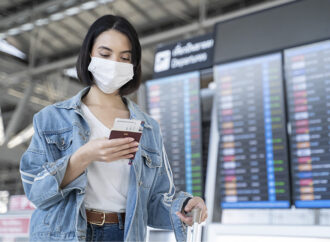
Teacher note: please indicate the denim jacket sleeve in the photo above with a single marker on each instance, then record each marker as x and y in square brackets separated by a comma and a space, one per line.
[164, 202]
[41, 179]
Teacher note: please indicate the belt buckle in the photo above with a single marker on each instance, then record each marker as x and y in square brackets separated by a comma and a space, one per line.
[103, 219]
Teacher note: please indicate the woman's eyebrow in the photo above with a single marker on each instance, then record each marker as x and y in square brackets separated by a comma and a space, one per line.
[106, 48]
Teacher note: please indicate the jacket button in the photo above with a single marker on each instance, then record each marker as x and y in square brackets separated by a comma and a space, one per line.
[62, 141]
[140, 183]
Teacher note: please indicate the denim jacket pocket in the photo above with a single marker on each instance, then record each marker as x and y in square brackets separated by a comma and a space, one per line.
[151, 159]
[59, 142]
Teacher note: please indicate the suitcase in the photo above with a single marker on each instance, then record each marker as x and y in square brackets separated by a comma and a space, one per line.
[194, 231]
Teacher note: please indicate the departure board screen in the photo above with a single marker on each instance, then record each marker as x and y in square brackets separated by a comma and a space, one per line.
[307, 72]
[175, 103]
[252, 157]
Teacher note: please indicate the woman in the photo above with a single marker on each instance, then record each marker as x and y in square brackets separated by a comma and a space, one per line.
[80, 180]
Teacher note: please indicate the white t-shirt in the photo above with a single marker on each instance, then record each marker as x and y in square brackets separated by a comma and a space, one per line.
[107, 185]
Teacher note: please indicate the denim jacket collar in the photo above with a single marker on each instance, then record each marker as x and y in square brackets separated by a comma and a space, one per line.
[75, 103]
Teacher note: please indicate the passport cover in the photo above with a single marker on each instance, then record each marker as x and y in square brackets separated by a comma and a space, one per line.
[115, 134]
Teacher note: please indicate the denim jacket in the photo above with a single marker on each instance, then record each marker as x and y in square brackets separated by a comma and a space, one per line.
[60, 130]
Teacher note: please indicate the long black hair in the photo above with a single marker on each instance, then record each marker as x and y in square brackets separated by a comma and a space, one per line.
[102, 24]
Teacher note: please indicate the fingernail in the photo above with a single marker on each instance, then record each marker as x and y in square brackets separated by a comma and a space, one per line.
[130, 139]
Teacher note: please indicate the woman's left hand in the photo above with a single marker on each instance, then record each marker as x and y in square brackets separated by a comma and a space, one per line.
[195, 202]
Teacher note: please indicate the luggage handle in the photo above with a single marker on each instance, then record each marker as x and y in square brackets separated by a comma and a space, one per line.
[196, 214]
[193, 232]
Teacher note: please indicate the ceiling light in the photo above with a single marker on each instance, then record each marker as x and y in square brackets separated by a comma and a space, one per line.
[72, 11]
[11, 50]
[42, 21]
[104, 1]
[89, 5]
[56, 16]
[14, 31]
[26, 27]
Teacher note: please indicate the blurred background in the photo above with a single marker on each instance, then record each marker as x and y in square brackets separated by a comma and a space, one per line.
[240, 88]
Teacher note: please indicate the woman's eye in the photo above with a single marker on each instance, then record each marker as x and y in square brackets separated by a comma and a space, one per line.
[104, 55]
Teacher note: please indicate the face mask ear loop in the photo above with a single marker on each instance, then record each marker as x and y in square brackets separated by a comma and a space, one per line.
[90, 57]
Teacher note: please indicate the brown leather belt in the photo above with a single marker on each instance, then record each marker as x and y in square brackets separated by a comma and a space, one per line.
[100, 218]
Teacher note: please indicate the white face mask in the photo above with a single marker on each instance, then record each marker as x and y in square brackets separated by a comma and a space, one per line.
[110, 75]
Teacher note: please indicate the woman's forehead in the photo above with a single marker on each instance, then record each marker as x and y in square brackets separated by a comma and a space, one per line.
[113, 40]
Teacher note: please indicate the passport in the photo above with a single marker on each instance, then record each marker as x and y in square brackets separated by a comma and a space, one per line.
[127, 128]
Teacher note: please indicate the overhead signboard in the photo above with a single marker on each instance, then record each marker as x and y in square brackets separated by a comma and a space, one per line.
[187, 55]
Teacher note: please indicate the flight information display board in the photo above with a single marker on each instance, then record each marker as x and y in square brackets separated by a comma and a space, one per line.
[252, 157]
[307, 72]
[175, 103]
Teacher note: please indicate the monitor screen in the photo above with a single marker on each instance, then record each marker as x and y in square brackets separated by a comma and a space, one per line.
[307, 72]
[252, 168]
[175, 103]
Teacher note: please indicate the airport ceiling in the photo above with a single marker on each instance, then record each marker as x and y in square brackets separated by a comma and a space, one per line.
[48, 33]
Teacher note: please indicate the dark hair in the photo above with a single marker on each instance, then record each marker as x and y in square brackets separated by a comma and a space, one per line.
[102, 24]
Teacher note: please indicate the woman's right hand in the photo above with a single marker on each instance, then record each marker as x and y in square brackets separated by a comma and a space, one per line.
[101, 149]
[106, 150]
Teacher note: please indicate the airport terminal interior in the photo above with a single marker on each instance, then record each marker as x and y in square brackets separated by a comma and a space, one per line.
[240, 89]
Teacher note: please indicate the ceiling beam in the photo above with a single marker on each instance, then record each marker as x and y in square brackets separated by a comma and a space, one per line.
[157, 38]
[58, 37]
[44, 43]
[71, 30]
[202, 10]
[173, 12]
[188, 5]
[5, 22]
[82, 21]
[17, 117]
[93, 13]
[140, 10]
